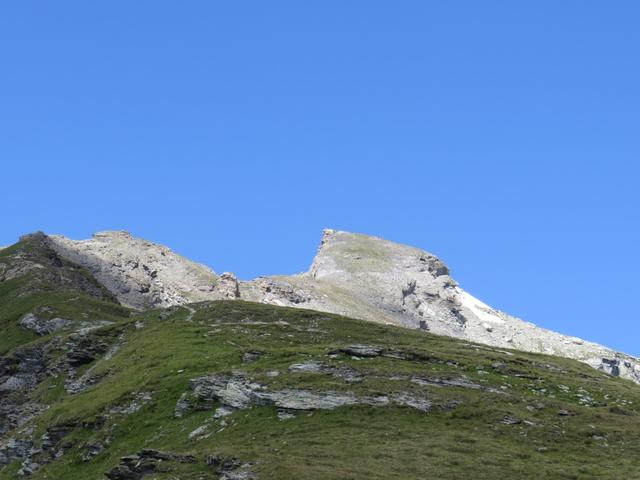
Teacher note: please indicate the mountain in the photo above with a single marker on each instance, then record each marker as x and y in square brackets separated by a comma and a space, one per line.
[355, 275]
[121, 360]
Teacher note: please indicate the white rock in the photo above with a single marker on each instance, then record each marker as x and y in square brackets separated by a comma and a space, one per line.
[140, 273]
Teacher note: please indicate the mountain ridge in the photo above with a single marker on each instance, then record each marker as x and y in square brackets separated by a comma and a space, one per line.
[356, 275]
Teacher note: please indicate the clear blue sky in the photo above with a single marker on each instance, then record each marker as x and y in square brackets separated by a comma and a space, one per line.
[503, 136]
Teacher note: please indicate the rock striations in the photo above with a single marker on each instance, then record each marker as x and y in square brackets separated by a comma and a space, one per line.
[355, 275]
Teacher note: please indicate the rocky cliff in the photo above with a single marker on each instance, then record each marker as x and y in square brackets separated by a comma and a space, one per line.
[356, 275]
[140, 273]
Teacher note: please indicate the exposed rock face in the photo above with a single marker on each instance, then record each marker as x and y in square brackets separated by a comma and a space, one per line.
[402, 282]
[20, 373]
[355, 275]
[228, 286]
[42, 326]
[24, 369]
[14, 449]
[229, 468]
[140, 273]
[237, 392]
[146, 462]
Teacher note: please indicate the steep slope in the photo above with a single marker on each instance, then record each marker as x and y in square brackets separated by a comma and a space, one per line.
[242, 390]
[356, 275]
[141, 274]
[37, 286]
[48, 305]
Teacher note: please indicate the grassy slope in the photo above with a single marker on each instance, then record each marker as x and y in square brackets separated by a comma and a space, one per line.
[64, 289]
[599, 441]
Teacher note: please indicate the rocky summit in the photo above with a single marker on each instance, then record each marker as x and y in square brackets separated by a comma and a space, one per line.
[122, 360]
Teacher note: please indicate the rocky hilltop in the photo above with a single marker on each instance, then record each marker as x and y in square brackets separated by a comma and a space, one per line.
[352, 274]
[139, 273]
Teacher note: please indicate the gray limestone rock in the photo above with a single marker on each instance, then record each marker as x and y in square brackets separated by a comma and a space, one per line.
[230, 468]
[362, 351]
[227, 286]
[410, 401]
[43, 326]
[14, 449]
[237, 392]
[347, 374]
[139, 273]
[291, 399]
[251, 356]
[145, 462]
[92, 450]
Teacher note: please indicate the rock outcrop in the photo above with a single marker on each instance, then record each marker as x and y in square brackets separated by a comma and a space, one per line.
[146, 462]
[139, 273]
[228, 287]
[236, 392]
[355, 275]
[43, 326]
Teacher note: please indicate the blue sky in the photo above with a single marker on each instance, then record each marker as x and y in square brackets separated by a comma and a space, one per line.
[502, 136]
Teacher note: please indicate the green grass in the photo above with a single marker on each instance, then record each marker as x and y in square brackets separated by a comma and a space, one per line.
[51, 288]
[69, 305]
[350, 442]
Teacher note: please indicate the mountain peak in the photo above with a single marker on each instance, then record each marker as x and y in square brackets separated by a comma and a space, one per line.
[346, 252]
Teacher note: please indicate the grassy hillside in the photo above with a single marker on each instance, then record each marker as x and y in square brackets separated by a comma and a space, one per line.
[534, 417]
[206, 391]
